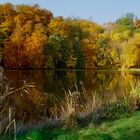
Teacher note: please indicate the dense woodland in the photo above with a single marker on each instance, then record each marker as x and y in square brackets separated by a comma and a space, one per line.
[30, 37]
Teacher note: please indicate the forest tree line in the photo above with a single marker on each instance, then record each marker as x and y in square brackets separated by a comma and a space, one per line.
[30, 37]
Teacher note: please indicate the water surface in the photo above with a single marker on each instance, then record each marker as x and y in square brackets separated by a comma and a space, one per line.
[57, 81]
[30, 106]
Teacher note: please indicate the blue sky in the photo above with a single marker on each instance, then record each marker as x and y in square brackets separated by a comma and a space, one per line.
[100, 11]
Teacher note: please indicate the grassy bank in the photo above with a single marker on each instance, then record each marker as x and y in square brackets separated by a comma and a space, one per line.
[78, 115]
[125, 128]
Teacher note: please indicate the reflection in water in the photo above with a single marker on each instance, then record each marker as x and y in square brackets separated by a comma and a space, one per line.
[31, 104]
[56, 82]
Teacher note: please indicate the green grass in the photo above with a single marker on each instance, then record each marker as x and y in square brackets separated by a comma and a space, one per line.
[125, 128]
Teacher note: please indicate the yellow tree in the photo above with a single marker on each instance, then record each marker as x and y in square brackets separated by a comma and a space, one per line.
[90, 35]
[27, 38]
[34, 47]
[131, 55]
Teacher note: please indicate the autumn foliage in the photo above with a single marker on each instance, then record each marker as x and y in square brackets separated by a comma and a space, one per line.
[30, 37]
[24, 32]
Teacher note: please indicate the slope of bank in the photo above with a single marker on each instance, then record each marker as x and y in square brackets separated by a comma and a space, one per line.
[125, 128]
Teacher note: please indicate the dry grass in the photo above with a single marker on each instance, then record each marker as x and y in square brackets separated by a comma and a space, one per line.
[32, 108]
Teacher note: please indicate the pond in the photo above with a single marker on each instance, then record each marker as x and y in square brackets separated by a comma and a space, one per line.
[58, 81]
[30, 106]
